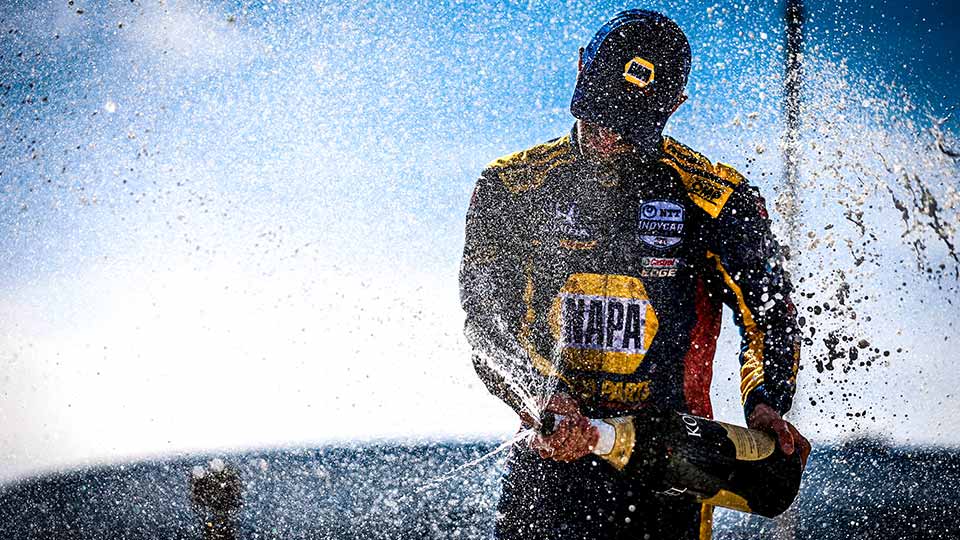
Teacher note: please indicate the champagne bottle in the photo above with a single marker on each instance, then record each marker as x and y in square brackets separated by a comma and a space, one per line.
[684, 455]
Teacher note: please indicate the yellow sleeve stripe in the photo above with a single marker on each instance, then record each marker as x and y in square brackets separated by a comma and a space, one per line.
[747, 384]
[544, 366]
[751, 372]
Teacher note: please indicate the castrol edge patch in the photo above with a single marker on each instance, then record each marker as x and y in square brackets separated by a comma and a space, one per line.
[603, 323]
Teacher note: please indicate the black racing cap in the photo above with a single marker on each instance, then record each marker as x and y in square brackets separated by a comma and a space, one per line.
[634, 71]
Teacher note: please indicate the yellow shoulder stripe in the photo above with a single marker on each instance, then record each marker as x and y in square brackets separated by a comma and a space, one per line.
[751, 371]
[527, 169]
[708, 185]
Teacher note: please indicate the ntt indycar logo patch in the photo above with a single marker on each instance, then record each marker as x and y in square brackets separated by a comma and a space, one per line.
[603, 323]
[660, 224]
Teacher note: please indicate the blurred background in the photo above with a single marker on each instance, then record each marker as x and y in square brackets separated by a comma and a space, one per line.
[237, 225]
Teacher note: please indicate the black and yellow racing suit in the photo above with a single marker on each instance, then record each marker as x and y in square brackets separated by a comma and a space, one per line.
[606, 281]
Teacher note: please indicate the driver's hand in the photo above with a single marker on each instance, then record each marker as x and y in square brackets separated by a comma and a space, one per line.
[574, 436]
[766, 418]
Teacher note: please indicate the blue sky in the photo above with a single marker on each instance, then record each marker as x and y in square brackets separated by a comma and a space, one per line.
[274, 193]
[412, 99]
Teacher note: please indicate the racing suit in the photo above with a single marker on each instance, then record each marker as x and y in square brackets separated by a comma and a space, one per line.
[606, 281]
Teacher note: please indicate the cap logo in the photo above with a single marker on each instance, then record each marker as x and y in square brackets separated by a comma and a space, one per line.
[639, 72]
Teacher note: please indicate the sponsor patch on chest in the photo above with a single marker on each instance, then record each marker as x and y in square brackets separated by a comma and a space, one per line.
[659, 266]
[603, 323]
[569, 222]
[660, 224]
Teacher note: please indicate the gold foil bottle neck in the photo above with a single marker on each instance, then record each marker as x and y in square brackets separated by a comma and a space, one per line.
[625, 439]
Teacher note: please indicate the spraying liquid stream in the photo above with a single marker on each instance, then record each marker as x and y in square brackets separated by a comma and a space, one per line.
[526, 392]
[437, 480]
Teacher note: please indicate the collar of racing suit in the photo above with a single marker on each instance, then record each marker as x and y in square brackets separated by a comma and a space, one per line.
[640, 155]
[617, 169]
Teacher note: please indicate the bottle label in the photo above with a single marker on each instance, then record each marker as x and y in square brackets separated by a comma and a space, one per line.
[751, 445]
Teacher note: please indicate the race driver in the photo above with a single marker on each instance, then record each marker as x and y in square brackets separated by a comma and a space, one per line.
[594, 271]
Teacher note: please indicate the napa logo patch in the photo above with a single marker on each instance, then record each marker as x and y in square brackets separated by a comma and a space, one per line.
[603, 323]
[639, 72]
[660, 224]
